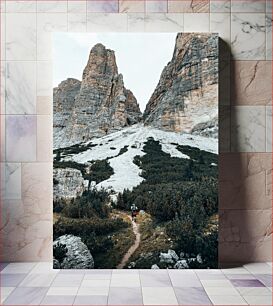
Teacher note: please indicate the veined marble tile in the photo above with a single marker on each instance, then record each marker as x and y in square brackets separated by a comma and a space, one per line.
[3, 87]
[159, 22]
[248, 129]
[3, 36]
[248, 36]
[21, 6]
[77, 6]
[44, 105]
[251, 83]
[220, 6]
[20, 138]
[188, 6]
[243, 182]
[11, 177]
[20, 36]
[220, 23]
[99, 22]
[268, 128]
[77, 22]
[51, 6]
[21, 87]
[128, 6]
[47, 23]
[268, 22]
[44, 138]
[103, 6]
[3, 138]
[196, 22]
[248, 6]
[156, 6]
[136, 22]
[269, 6]
[37, 188]
[44, 78]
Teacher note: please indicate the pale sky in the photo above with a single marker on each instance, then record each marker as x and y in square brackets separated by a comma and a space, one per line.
[140, 57]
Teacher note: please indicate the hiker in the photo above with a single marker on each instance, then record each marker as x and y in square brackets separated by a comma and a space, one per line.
[134, 212]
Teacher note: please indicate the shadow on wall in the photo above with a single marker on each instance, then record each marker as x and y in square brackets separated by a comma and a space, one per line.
[244, 182]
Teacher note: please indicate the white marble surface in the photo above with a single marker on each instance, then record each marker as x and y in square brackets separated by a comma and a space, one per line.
[77, 22]
[220, 6]
[159, 22]
[20, 138]
[268, 22]
[51, 6]
[21, 87]
[248, 129]
[21, 6]
[77, 6]
[248, 36]
[249, 6]
[20, 36]
[268, 128]
[156, 6]
[44, 78]
[104, 22]
[196, 22]
[11, 177]
[105, 6]
[3, 36]
[220, 23]
[136, 22]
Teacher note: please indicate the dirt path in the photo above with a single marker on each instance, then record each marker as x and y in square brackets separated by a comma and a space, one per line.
[133, 248]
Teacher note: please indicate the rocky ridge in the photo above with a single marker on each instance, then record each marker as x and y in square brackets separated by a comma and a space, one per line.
[97, 105]
[186, 97]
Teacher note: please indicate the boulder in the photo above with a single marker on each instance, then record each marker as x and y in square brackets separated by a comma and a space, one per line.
[169, 258]
[181, 264]
[78, 256]
[155, 267]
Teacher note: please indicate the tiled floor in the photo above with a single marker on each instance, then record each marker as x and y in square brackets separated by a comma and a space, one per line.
[39, 284]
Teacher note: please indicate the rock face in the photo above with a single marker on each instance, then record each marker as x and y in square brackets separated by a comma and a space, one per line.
[186, 97]
[68, 183]
[77, 257]
[98, 105]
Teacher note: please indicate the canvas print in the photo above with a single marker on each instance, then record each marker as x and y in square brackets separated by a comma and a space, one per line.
[135, 175]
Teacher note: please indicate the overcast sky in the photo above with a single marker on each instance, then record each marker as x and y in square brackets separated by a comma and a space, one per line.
[140, 57]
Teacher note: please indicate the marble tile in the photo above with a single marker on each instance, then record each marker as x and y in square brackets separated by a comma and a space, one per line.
[125, 296]
[136, 22]
[220, 23]
[258, 300]
[3, 6]
[44, 78]
[3, 37]
[216, 283]
[93, 291]
[266, 279]
[38, 280]
[20, 138]
[245, 235]
[185, 281]
[192, 296]
[220, 6]
[3, 87]
[3, 139]
[259, 267]
[251, 83]
[248, 129]
[268, 128]
[44, 138]
[128, 6]
[77, 6]
[77, 22]
[159, 296]
[247, 291]
[47, 23]
[213, 291]
[52, 6]
[100, 22]
[103, 6]
[26, 296]
[18, 268]
[196, 22]
[188, 6]
[3, 266]
[62, 291]
[247, 283]
[21, 36]
[268, 23]
[249, 6]
[269, 6]
[227, 300]
[163, 22]
[96, 283]
[66, 280]
[240, 270]
[44, 105]
[12, 280]
[21, 6]
[45, 268]
[91, 300]
[58, 300]
[97, 276]
[20, 87]
[240, 276]
[248, 36]
[245, 187]
[156, 6]
[5, 292]
[125, 280]
[151, 278]
[11, 175]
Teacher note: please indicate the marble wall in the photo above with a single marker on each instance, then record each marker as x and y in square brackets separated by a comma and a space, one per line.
[245, 111]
